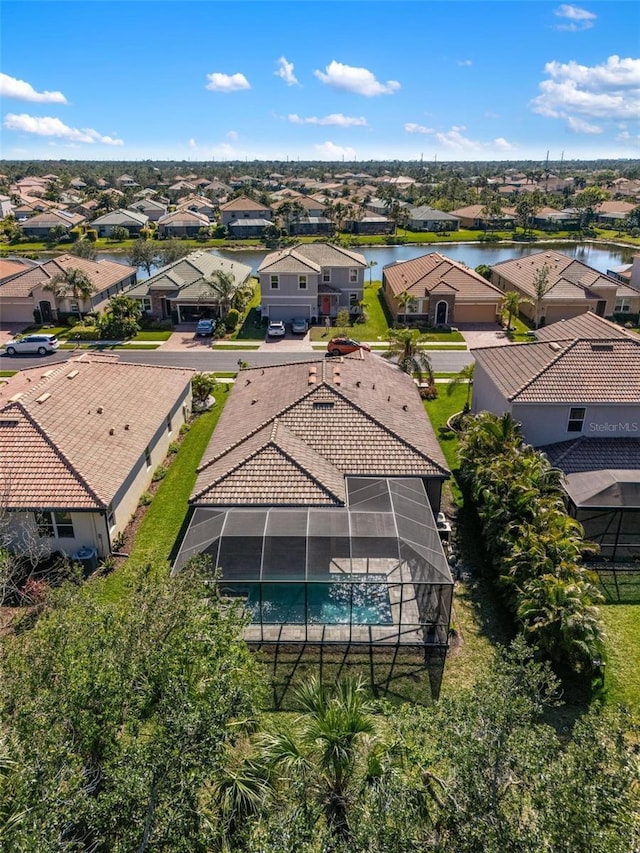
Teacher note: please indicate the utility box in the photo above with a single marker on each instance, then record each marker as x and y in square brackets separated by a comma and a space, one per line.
[87, 557]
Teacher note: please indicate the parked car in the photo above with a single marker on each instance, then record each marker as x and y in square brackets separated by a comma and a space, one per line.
[343, 346]
[204, 327]
[299, 326]
[276, 329]
[40, 344]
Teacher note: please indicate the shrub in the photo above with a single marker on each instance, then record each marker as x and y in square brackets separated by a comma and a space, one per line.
[72, 321]
[145, 499]
[184, 428]
[159, 474]
[174, 447]
[428, 392]
[91, 234]
[232, 319]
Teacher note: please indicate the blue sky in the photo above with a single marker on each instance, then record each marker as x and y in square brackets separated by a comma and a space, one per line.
[334, 80]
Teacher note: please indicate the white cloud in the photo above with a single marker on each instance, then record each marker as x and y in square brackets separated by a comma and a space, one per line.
[465, 63]
[50, 126]
[193, 143]
[333, 120]
[455, 140]
[625, 136]
[491, 114]
[232, 134]
[579, 19]
[285, 72]
[360, 81]
[579, 125]
[609, 91]
[330, 151]
[10, 87]
[412, 127]
[227, 82]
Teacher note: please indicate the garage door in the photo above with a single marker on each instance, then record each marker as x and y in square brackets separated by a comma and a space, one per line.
[288, 312]
[474, 314]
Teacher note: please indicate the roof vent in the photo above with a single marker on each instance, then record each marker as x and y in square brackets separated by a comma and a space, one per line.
[405, 407]
[16, 397]
[73, 374]
[43, 397]
[126, 426]
[112, 431]
[99, 410]
[555, 346]
[47, 373]
[602, 346]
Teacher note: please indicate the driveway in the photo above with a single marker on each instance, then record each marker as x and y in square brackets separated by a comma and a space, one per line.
[479, 335]
[8, 331]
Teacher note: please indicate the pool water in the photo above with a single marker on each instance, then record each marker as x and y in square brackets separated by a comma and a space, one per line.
[359, 602]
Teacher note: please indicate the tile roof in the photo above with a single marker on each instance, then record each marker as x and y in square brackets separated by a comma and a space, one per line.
[77, 405]
[579, 371]
[430, 213]
[588, 325]
[243, 203]
[354, 415]
[121, 217]
[184, 217]
[427, 273]
[311, 256]
[567, 276]
[189, 270]
[103, 274]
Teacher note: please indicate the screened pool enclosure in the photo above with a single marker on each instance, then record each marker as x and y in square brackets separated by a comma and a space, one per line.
[372, 572]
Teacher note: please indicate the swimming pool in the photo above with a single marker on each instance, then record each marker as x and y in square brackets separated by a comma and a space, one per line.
[359, 602]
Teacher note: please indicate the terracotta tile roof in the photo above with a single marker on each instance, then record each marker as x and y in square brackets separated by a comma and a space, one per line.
[567, 277]
[183, 218]
[427, 273]
[476, 211]
[580, 371]
[355, 415]
[78, 404]
[103, 274]
[10, 267]
[243, 203]
[588, 326]
[53, 218]
[287, 261]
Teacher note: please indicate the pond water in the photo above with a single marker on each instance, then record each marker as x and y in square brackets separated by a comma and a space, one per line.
[600, 256]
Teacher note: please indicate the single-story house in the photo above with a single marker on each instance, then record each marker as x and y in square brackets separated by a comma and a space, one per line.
[426, 218]
[79, 444]
[578, 401]
[328, 541]
[370, 224]
[474, 216]
[26, 292]
[254, 227]
[612, 212]
[310, 226]
[40, 225]
[243, 208]
[198, 204]
[181, 289]
[442, 292]
[132, 220]
[152, 208]
[550, 218]
[571, 288]
[311, 280]
[182, 223]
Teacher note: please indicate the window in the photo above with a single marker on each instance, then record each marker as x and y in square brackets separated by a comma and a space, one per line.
[576, 419]
[302, 282]
[623, 303]
[54, 525]
[146, 303]
[353, 276]
[275, 282]
[326, 275]
[147, 457]
[169, 425]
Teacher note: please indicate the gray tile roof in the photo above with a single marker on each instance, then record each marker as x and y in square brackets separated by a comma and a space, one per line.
[190, 270]
[588, 326]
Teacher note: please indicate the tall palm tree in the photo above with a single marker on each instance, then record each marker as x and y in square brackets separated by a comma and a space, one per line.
[72, 282]
[465, 375]
[511, 302]
[223, 285]
[404, 348]
[404, 300]
[334, 748]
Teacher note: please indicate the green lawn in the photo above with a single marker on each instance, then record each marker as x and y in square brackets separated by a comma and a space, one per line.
[7, 373]
[163, 520]
[160, 335]
[622, 678]
[438, 411]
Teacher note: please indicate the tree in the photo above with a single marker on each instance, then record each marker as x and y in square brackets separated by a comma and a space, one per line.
[587, 203]
[526, 207]
[405, 302]
[466, 376]
[119, 234]
[404, 348]
[484, 270]
[511, 302]
[491, 207]
[84, 248]
[72, 282]
[202, 386]
[143, 253]
[370, 267]
[541, 286]
[334, 748]
[57, 234]
[223, 286]
[122, 319]
[170, 251]
[122, 712]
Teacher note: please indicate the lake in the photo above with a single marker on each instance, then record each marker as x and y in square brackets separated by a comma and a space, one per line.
[600, 256]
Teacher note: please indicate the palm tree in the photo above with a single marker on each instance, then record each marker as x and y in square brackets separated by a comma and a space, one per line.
[404, 300]
[511, 302]
[334, 748]
[223, 284]
[72, 282]
[404, 348]
[370, 266]
[465, 375]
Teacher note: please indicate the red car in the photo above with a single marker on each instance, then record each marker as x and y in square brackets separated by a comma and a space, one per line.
[343, 346]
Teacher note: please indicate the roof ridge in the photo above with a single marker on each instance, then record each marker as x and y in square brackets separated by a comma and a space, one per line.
[61, 456]
[546, 367]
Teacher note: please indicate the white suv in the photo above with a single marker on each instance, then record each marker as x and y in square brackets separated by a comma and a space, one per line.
[40, 344]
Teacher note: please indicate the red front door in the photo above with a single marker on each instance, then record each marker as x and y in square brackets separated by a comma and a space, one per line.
[325, 305]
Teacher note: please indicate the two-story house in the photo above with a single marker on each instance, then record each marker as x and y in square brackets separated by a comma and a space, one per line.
[314, 281]
[245, 217]
[578, 400]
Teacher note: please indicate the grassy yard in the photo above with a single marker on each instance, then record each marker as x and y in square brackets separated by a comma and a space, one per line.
[622, 679]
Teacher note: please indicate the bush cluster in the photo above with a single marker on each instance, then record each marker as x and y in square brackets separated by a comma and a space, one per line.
[534, 547]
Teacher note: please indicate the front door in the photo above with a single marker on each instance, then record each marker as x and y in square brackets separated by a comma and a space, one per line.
[441, 313]
[325, 305]
[45, 311]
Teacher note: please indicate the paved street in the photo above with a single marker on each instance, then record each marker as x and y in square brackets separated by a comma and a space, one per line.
[442, 361]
